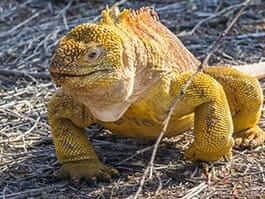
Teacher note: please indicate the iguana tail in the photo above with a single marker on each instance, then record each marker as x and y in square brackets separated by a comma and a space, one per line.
[257, 70]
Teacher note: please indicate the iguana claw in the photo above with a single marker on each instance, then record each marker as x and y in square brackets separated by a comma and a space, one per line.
[250, 138]
[86, 170]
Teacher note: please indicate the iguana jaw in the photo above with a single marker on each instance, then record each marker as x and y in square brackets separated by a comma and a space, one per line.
[111, 103]
[105, 93]
[60, 78]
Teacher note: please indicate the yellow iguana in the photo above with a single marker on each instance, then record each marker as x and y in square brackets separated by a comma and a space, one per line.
[125, 72]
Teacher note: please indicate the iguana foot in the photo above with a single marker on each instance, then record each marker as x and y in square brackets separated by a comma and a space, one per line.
[251, 137]
[87, 170]
[193, 153]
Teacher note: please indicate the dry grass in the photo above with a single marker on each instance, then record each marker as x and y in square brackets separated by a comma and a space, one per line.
[28, 35]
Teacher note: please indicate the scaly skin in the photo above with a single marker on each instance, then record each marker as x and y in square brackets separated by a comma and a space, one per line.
[124, 73]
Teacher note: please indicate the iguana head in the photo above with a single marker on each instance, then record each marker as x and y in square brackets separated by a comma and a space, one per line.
[90, 64]
[89, 56]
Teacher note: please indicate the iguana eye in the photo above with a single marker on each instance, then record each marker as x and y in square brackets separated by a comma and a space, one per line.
[93, 54]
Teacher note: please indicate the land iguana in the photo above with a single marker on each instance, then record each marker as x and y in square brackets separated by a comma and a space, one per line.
[124, 73]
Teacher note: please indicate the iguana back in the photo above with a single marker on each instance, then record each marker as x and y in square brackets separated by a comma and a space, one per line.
[162, 50]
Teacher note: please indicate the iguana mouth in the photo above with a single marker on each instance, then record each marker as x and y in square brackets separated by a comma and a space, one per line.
[62, 75]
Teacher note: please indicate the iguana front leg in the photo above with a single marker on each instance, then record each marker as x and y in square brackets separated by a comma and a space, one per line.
[213, 126]
[73, 149]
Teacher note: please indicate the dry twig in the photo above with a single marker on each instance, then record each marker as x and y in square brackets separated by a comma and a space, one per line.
[42, 75]
[21, 24]
[215, 15]
[195, 191]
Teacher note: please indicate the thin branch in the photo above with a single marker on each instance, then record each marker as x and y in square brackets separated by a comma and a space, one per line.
[64, 10]
[119, 3]
[42, 75]
[251, 35]
[21, 24]
[218, 42]
[33, 192]
[195, 191]
[160, 185]
[182, 92]
[215, 15]
[135, 154]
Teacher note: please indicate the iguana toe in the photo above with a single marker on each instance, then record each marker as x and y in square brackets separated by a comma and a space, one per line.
[195, 153]
[86, 170]
[251, 137]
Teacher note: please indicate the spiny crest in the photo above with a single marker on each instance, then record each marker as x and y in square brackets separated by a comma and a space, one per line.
[86, 33]
[113, 15]
[144, 13]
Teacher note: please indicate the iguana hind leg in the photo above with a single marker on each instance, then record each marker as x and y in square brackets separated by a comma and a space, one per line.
[245, 99]
[73, 149]
[213, 126]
